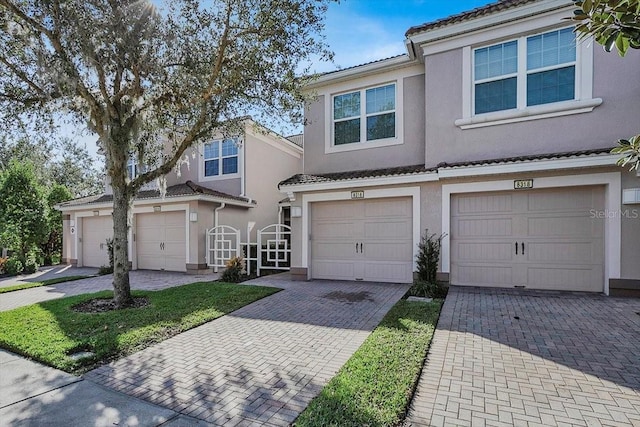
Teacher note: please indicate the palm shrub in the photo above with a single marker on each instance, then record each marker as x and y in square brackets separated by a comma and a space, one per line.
[234, 270]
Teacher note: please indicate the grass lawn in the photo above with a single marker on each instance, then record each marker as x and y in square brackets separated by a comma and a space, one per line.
[43, 283]
[375, 385]
[51, 330]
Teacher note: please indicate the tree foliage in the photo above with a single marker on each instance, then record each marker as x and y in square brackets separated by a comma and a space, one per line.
[613, 24]
[63, 162]
[51, 244]
[22, 211]
[151, 80]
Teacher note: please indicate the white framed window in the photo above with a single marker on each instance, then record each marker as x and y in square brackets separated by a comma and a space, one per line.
[364, 116]
[132, 167]
[535, 76]
[533, 70]
[221, 158]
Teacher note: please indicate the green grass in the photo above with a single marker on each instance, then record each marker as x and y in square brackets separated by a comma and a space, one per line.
[47, 282]
[375, 386]
[51, 330]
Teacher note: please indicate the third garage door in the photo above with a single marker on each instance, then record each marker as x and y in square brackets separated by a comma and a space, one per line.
[368, 240]
[161, 241]
[540, 239]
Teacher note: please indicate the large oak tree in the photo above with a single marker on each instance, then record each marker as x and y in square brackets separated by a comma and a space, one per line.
[143, 75]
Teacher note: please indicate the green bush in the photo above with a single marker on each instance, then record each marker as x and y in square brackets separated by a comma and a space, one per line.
[426, 289]
[107, 269]
[30, 264]
[429, 256]
[234, 270]
[13, 266]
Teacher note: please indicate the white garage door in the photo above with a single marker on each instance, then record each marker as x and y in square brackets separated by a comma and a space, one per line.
[368, 240]
[540, 239]
[95, 232]
[160, 241]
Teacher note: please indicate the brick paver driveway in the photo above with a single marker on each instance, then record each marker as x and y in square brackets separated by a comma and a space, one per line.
[262, 364]
[504, 357]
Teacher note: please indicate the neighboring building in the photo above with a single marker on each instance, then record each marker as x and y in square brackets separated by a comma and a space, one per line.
[228, 181]
[495, 130]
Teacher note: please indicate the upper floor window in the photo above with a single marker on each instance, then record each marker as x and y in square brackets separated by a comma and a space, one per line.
[221, 158]
[132, 167]
[364, 115]
[539, 69]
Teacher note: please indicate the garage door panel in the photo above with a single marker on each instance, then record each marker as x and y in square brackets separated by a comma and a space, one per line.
[562, 200]
[174, 219]
[564, 252]
[483, 227]
[588, 279]
[333, 249]
[362, 240]
[337, 229]
[95, 232]
[161, 241]
[388, 208]
[387, 251]
[388, 272]
[564, 225]
[484, 251]
[333, 270]
[497, 203]
[174, 234]
[564, 245]
[392, 229]
[480, 275]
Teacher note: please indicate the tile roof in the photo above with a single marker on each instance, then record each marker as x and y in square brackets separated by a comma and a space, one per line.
[297, 139]
[420, 169]
[189, 188]
[488, 9]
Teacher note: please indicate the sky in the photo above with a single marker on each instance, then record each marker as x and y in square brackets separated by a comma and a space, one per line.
[359, 31]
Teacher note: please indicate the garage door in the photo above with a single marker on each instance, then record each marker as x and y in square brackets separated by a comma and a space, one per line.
[95, 232]
[541, 239]
[368, 240]
[160, 241]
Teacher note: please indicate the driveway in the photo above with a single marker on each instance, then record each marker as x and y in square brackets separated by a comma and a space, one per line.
[504, 357]
[139, 280]
[262, 364]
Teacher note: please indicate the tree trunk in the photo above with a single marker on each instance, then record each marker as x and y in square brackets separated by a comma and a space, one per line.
[121, 287]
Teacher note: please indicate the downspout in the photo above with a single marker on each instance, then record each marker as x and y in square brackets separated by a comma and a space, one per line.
[215, 225]
[280, 215]
[243, 179]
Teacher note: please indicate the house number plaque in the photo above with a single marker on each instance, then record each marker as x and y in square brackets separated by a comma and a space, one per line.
[357, 194]
[519, 184]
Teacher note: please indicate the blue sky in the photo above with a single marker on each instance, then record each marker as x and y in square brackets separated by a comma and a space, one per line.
[360, 31]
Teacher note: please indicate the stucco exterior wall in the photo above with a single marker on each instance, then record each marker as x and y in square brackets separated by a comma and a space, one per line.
[630, 219]
[615, 118]
[410, 152]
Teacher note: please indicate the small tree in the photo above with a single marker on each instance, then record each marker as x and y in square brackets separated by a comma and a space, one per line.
[22, 211]
[613, 24]
[428, 256]
[150, 79]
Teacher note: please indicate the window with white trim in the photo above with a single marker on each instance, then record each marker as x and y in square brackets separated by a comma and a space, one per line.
[364, 115]
[132, 167]
[221, 157]
[533, 70]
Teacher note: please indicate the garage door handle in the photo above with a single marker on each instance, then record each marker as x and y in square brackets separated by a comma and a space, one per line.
[516, 248]
[522, 248]
[356, 248]
[361, 251]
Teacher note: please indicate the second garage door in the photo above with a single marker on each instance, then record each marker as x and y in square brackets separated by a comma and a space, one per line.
[95, 232]
[368, 240]
[540, 239]
[160, 241]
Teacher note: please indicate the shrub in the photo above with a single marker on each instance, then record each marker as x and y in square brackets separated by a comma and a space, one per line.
[3, 261]
[13, 266]
[234, 270]
[107, 269]
[429, 256]
[426, 289]
[31, 264]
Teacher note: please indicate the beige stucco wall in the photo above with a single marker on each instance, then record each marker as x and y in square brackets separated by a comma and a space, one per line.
[630, 218]
[410, 152]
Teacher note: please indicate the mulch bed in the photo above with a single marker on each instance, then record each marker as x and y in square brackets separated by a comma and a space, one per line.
[101, 305]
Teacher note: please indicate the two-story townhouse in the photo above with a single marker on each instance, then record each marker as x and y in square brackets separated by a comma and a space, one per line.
[495, 130]
[228, 181]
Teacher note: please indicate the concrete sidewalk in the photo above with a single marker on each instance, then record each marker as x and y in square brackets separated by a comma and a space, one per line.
[32, 394]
